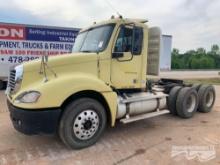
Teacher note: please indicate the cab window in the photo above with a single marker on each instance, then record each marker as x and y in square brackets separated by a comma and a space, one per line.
[124, 40]
[129, 40]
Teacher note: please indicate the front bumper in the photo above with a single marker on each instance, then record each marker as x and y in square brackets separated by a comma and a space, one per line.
[30, 122]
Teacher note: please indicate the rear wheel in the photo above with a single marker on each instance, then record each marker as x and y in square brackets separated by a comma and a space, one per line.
[187, 102]
[82, 123]
[172, 99]
[206, 96]
[196, 86]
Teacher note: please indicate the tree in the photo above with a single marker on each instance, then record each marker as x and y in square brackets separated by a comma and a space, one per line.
[192, 52]
[207, 63]
[175, 52]
[194, 64]
[215, 49]
[204, 62]
[201, 51]
[177, 62]
[199, 59]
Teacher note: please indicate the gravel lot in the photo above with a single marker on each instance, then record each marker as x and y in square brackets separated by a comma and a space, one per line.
[149, 141]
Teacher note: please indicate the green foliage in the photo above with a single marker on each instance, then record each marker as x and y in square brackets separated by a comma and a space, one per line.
[215, 49]
[201, 51]
[196, 59]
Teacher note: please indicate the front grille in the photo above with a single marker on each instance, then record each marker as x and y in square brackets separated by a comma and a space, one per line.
[11, 80]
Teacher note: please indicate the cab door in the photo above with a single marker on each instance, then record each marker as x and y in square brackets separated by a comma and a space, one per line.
[126, 65]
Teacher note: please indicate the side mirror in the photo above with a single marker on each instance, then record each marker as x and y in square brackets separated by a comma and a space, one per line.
[117, 54]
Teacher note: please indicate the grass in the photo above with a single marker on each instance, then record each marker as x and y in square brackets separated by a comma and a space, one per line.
[213, 81]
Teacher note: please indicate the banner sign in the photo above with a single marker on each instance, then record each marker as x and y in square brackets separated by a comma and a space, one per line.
[20, 43]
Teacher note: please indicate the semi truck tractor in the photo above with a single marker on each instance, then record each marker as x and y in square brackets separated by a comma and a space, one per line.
[102, 82]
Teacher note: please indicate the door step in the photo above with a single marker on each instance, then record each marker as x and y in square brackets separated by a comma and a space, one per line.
[144, 116]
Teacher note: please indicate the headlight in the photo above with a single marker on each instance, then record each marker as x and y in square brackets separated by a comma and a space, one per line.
[18, 77]
[28, 97]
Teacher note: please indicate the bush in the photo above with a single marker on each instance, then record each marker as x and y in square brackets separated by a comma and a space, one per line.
[199, 59]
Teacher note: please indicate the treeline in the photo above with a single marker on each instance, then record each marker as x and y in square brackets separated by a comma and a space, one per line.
[196, 59]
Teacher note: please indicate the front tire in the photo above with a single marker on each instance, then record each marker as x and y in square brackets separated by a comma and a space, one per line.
[82, 123]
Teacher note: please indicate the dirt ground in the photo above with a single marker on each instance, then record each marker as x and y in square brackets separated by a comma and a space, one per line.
[152, 141]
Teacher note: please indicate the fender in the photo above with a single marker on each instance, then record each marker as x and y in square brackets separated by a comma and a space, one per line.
[57, 90]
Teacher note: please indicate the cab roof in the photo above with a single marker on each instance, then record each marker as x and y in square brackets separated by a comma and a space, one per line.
[117, 21]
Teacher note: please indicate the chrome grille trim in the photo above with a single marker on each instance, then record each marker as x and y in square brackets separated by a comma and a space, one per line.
[11, 82]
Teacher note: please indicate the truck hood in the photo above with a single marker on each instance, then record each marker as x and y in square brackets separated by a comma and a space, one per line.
[61, 60]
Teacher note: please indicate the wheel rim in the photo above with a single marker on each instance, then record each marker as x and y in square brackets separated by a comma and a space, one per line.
[209, 99]
[86, 124]
[191, 103]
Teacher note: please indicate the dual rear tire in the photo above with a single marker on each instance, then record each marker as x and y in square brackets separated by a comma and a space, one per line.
[171, 100]
[185, 101]
[206, 98]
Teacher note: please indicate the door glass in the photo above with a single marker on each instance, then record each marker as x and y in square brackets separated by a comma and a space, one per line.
[124, 40]
[138, 40]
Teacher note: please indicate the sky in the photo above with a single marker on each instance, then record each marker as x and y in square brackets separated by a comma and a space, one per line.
[192, 23]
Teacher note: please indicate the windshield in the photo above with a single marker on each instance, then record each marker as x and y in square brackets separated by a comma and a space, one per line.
[93, 40]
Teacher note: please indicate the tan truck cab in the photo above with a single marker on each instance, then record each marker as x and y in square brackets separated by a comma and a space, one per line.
[103, 80]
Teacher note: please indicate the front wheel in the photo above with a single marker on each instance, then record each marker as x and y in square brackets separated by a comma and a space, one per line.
[82, 123]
